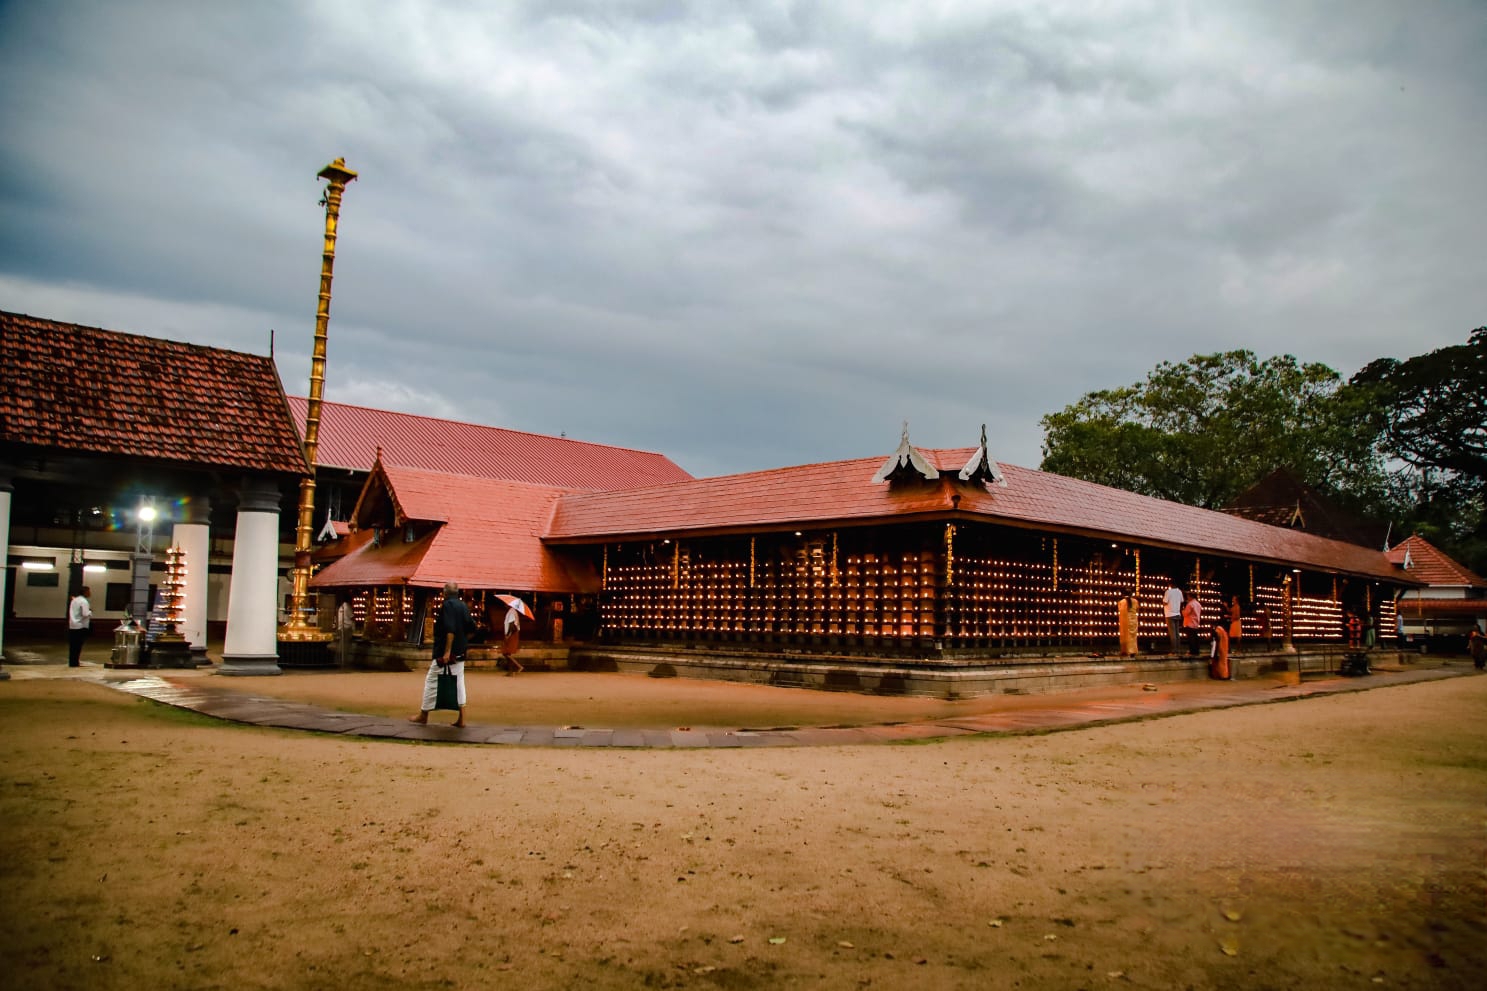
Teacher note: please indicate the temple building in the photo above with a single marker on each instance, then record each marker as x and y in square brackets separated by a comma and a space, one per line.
[1452, 601]
[116, 448]
[928, 569]
[940, 557]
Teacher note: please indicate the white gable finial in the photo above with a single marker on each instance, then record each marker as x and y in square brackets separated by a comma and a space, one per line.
[906, 457]
[981, 466]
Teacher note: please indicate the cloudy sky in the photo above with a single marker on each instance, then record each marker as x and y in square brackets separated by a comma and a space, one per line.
[751, 234]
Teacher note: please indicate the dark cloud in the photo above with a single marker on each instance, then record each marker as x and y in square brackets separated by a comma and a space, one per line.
[749, 235]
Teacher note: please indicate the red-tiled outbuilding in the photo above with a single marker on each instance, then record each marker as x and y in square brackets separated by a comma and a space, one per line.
[88, 391]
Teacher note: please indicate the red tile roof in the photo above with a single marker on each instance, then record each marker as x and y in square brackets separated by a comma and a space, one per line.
[1280, 496]
[94, 391]
[351, 435]
[1432, 565]
[490, 537]
[840, 493]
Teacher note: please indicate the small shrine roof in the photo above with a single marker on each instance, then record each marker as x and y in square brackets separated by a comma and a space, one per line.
[841, 493]
[1431, 565]
[1282, 499]
[350, 437]
[485, 534]
[86, 390]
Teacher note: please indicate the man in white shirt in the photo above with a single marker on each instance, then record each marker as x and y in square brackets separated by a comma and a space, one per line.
[1172, 608]
[79, 625]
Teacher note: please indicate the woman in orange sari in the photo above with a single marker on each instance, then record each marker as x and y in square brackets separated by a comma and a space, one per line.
[1127, 612]
[1235, 628]
[1218, 661]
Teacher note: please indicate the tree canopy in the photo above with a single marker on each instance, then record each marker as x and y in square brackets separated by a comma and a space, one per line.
[1402, 441]
[1203, 430]
[1434, 407]
[1431, 416]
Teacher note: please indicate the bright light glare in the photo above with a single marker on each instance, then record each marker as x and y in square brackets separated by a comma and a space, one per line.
[147, 513]
[37, 565]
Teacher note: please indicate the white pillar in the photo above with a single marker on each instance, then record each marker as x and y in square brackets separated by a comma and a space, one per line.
[252, 645]
[5, 490]
[194, 536]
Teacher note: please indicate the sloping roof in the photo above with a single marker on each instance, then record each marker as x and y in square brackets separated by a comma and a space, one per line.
[1431, 565]
[87, 390]
[487, 535]
[1282, 499]
[840, 493]
[350, 437]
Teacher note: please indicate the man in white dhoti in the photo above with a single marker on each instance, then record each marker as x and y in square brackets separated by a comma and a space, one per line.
[451, 635]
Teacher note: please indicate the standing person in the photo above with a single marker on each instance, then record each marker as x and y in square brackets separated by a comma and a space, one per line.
[79, 625]
[1172, 609]
[1236, 628]
[512, 642]
[1477, 645]
[345, 629]
[1192, 623]
[1354, 627]
[1218, 662]
[451, 636]
[1370, 630]
[1128, 614]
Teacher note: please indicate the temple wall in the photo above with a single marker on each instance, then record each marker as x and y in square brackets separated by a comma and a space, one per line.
[949, 586]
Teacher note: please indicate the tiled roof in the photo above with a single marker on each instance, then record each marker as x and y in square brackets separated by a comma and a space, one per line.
[840, 493]
[1277, 499]
[351, 435]
[92, 391]
[490, 537]
[1431, 565]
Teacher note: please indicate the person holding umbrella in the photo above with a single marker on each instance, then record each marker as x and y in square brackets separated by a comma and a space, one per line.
[452, 631]
[516, 609]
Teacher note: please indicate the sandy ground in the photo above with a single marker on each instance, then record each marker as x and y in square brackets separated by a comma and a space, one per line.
[1331, 843]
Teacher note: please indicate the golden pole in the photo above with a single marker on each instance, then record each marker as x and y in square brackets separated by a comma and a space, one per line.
[299, 627]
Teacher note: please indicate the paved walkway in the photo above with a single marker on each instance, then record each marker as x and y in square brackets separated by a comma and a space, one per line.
[233, 701]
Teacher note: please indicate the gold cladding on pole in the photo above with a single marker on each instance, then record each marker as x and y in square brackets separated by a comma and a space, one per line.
[299, 627]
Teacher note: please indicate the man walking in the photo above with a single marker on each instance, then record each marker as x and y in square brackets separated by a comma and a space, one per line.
[79, 625]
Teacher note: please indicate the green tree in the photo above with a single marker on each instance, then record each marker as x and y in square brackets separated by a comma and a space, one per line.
[1203, 430]
[1434, 408]
[1431, 415]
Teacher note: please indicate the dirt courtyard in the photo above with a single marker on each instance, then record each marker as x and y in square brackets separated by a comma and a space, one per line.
[1337, 842]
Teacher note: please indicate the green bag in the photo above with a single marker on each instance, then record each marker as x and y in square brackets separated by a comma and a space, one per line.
[447, 691]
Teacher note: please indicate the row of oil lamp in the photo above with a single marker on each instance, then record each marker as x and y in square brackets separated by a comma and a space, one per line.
[987, 601]
[384, 607]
